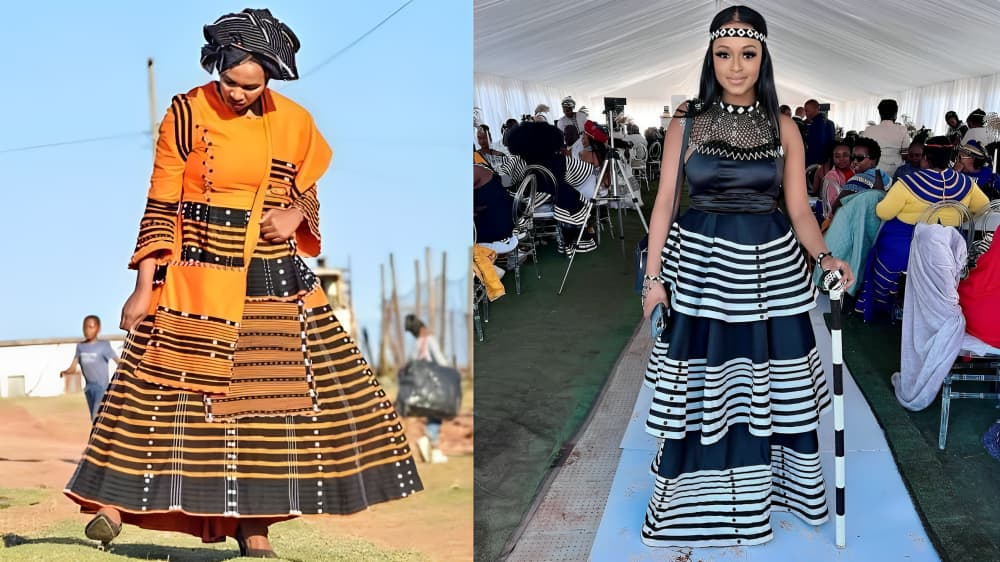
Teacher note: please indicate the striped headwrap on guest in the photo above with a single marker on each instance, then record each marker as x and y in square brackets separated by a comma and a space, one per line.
[256, 32]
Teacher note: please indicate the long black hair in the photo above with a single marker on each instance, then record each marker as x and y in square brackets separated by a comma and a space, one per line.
[710, 91]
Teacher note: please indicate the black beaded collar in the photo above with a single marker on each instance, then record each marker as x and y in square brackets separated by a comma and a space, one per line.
[739, 109]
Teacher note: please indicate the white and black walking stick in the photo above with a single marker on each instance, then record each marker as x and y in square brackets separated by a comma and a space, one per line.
[831, 282]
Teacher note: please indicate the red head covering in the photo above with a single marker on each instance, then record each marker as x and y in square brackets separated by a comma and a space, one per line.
[596, 131]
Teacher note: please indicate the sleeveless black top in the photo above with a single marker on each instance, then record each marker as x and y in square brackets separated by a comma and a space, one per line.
[735, 163]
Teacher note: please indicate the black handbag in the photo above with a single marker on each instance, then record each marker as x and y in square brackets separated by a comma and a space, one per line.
[428, 389]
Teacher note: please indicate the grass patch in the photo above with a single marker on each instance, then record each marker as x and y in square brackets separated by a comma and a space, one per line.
[18, 497]
[295, 540]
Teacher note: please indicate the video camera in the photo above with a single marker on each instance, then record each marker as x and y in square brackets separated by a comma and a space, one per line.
[616, 105]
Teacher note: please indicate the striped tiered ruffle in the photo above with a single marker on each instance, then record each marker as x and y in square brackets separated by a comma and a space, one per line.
[738, 385]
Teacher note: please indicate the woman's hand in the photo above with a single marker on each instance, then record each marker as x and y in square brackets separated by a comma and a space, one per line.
[136, 308]
[830, 263]
[279, 225]
[655, 295]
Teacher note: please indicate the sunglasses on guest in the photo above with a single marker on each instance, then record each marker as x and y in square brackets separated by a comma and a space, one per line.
[859, 157]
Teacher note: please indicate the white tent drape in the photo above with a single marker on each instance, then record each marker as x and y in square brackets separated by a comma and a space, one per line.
[501, 98]
[927, 105]
[849, 53]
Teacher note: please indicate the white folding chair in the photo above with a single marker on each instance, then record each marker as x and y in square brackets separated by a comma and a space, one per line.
[639, 156]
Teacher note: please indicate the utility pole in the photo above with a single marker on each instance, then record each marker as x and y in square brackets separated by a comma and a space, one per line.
[417, 289]
[154, 127]
[397, 326]
[444, 301]
[430, 288]
[383, 329]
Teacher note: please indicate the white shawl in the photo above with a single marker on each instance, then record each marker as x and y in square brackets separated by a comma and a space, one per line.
[933, 324]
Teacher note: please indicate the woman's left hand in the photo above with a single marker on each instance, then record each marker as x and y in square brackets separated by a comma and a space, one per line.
[279, 225]
[831, 263]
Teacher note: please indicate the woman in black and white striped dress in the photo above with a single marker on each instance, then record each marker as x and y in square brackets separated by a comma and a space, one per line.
[541, 144]
[738, 383]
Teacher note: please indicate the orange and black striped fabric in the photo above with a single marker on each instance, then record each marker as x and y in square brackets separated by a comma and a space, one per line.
[155, 450]
[240, 394]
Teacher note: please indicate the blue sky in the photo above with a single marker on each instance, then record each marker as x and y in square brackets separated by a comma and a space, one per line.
[396, 108]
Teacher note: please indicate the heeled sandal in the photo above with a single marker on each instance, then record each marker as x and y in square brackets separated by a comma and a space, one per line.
[102, 528]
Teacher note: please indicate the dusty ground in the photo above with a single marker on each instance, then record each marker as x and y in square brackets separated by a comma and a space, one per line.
[43, 437]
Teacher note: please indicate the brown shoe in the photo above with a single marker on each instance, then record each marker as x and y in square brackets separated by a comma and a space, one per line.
[245, 549]
[102, 528]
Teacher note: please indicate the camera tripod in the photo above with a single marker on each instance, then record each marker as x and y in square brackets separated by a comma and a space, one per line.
[614, 166]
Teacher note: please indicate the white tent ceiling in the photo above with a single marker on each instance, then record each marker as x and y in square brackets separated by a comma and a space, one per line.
[835, 50]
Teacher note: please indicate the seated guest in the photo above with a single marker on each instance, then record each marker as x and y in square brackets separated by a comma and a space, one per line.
[492, 211]
[976, 131]
[815, 186]
[979, 296]
[595, 149]
[955, 125]
[864, 161]
[914, 155]
[634, 137]
[906, 200]
[972, 161]
[541, 144]
[493, 156]
[508, 126]
[652, 135]
[835, 179]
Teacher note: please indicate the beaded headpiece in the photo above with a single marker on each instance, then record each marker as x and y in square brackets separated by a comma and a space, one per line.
[747, 32]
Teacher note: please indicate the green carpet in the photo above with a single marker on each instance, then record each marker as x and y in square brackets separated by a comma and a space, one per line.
[956, 491]
[545, 359]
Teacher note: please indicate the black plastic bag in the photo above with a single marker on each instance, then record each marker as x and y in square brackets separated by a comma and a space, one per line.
[428, 389]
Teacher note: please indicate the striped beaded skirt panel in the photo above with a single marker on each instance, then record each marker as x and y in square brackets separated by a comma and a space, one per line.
[723, 494]
[736, 267]
[154, 450]
[715, 374]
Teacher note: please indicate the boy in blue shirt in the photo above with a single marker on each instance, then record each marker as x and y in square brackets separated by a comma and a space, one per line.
[93, 355]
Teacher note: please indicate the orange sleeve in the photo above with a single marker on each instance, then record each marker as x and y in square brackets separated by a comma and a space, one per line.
[313, 165]
[159, 221]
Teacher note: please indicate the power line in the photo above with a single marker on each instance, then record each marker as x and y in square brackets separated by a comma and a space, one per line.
[331, 58]
[325, 62]
[71, 142]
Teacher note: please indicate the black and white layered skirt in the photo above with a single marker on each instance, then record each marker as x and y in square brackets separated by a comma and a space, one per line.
[738, 385]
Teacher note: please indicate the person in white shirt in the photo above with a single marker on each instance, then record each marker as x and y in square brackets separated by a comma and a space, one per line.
[571, 116]
[892, 137]
[976, 130]
[427, 349]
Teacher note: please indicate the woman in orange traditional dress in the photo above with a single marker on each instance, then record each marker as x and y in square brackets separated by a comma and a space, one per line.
[240, 401]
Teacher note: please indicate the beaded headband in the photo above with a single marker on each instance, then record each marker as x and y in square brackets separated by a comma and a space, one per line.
[738, 32]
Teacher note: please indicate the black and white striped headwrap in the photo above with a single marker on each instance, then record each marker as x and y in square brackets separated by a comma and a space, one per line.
[257, 32]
